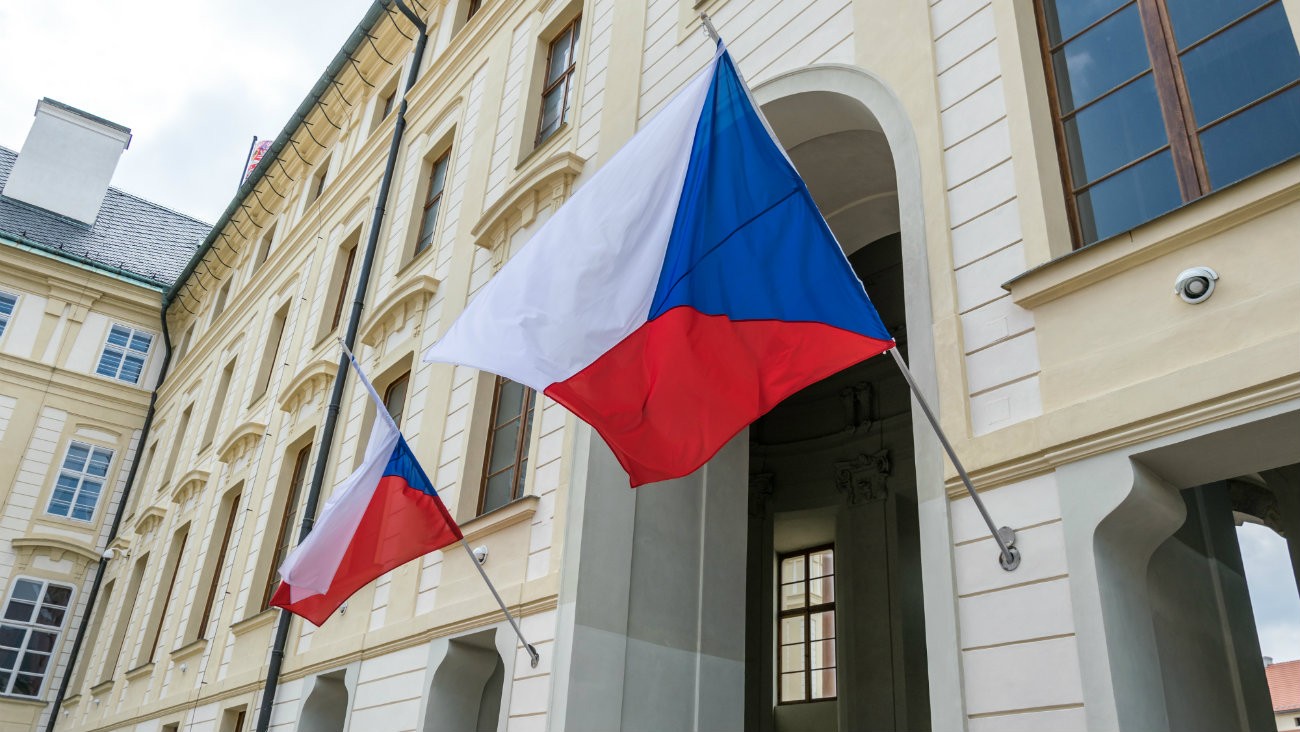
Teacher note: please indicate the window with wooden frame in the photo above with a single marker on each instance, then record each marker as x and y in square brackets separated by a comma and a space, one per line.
[395, 396]
[347, 258]
[216, 561]
[806, 626]
[1160, 102]
[557, 81]
[319, 181]
[284, 536]
[432, 202]
[167, 584]
[506, 460]
[474, 7]
[271, 354]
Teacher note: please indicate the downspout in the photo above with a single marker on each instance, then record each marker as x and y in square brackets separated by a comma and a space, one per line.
[117, 523]
[340, 375]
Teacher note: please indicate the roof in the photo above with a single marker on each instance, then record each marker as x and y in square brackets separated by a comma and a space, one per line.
[139, 237]
[1284, 685]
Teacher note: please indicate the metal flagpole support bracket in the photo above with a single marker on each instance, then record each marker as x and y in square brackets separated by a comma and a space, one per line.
[712, 32]
[1009, 555]
[533, 655]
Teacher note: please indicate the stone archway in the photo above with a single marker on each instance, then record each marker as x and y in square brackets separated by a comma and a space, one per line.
[653, 596]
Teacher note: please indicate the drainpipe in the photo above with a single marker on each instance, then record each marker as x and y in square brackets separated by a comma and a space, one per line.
[340, 376]
[117, 522]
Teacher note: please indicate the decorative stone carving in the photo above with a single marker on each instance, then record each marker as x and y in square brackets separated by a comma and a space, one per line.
[150, 520]
[187, 487]
[862, 479]
[56, 548]
[310, 383]
[547, 184]
[761, 488]
[241, 442]
[405, 305]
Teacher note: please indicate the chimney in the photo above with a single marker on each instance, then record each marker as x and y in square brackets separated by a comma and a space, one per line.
[1268, 660]
[67, 161]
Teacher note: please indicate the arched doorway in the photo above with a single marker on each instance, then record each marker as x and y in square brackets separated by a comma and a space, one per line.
[655, 601]
[834, 615]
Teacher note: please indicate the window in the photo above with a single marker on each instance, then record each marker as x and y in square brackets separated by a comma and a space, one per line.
[219, 306]
[7, 305]
[167, 585]
[344, 277]
[124, 354]
[232, 720]
[1138, 139]
[127, 612]
[395, 397]
[506, 461]
[184, 346]
[432, 202]
[218, 402]
[319, 180]
[178, 439]
[28, 634]
[474, 7]
[92, 639]
[271, 353]
[561, 59]
[217, 560]
[264, 247]
[387, 107]
[80, 481]
[806, 626]
[284, 537]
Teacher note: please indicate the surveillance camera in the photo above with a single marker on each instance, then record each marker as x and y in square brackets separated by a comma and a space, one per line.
[1195, 285]
[109, 554]
[480, 554]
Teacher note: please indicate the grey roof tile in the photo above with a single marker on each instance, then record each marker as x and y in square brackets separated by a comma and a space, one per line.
[130, 233]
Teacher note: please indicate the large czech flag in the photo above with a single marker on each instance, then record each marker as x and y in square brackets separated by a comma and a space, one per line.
[384, 515]
[688, 287]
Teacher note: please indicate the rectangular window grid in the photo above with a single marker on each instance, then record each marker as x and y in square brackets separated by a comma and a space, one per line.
[806, 626]
[124, 354]
[284, 537]
[80, 481]
[1160, 102]
[561, 61]
[506, 462]
[395, 397]
[29, 632]
[7, 305]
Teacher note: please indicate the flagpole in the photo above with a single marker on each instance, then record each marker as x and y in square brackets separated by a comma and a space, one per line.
[1005, 536]
[532, 652]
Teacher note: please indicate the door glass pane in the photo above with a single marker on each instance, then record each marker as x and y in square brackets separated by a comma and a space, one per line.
[1067, 17]
[1253, 140]
[1196, 19]
[1241, 65]
[792, 687]
[1139, 194]
[1115, 131]
[1100, 59]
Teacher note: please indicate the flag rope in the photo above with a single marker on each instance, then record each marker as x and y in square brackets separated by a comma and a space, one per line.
[1005, 536]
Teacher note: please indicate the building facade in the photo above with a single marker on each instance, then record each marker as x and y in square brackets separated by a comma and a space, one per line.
[84, 267]
[1022, 185]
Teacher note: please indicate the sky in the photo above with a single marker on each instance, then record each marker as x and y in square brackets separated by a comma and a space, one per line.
[194, 80]
[1273, 594]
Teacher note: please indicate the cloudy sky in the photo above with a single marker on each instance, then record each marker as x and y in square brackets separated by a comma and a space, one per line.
[195, 80]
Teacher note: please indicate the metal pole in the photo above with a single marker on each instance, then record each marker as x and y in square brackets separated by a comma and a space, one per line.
[532, 652]
[243, 174]
[708, 28]
[1005, 536]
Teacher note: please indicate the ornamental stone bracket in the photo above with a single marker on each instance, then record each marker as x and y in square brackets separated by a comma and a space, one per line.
[240, 443]
[187, 487]
[310, 383]
[151, 519]
[548, 184]
[862, 479]
[56, 548]
[401, 309]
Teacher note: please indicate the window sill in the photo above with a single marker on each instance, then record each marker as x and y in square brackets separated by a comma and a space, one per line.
[517, 511]
[102, 687]
[24, 700]
[139, 672]
[253, 622]
[189, 650]
[1184, 226]
[563, 132]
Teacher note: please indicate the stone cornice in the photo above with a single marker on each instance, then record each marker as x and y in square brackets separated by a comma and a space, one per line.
[149, 520]
[56, 547]
[240, 440]
[315, 377]
[391, 313]
[189, 485]
[550, 180]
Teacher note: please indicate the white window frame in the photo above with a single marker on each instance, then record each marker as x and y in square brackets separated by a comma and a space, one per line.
[5, 318]
[123, 352]
[80, 475]
[9, 676]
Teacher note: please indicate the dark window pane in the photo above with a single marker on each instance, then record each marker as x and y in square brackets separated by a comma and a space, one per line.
[1253, 140]
[58, 595]
[551, 112]
[8, 659]
[504, 442]
[1100, 59]
[27, 685]
[1137, 195]
[510, 401]
[1115, 131]
[51, 616]
[41, 641]
[11, 637]
[26, 590]
[20, 611]
[34, 663]
[497, 491]
[1067, 17]
[1243, 64]
[1196, 19]
[559, 60]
